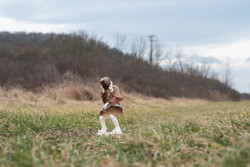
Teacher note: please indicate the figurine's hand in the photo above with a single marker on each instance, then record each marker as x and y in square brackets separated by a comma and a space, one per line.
[106, 105]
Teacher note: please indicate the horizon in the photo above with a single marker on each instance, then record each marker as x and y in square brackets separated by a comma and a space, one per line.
[217, 29]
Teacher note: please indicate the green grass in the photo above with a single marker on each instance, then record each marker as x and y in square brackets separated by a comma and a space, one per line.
[156, 133]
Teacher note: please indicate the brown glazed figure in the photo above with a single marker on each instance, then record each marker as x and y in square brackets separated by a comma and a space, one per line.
[111, 106]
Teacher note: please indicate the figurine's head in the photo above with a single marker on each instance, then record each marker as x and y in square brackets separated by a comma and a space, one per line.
[105, 82]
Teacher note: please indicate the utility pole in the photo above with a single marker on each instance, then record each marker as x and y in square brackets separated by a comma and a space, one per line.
[151, 40]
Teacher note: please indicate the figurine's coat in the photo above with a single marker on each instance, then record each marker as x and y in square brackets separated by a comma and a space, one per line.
[111, 95]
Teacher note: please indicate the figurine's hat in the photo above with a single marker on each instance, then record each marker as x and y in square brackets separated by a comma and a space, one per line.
[105, 82]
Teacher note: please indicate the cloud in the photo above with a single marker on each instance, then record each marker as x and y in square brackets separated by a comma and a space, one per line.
[206, 59]
[248, 59]
[238, 51]
[14, 26]
[174, 21]
[208, 28]
[70, 11]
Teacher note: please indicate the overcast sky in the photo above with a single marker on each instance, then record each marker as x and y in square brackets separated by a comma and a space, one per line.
[215, 28]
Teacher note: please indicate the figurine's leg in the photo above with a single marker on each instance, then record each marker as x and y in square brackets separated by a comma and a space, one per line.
[104, 128]
[117, 129]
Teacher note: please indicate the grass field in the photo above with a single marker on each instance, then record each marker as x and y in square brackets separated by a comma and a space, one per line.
[157, 132]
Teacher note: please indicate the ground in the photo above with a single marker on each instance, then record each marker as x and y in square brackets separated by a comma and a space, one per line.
[157, 132]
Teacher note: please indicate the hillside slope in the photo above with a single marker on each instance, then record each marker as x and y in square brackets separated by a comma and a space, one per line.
[34, 60]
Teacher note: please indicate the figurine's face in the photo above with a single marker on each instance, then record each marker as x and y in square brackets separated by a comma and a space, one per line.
[105, 82]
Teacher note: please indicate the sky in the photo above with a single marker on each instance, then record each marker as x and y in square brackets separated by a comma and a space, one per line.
[205, 28]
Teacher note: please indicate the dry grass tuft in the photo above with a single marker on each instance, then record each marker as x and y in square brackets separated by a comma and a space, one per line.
[68, 90]
[72, 89]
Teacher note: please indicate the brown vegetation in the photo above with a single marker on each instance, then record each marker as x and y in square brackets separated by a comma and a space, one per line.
[35, 61]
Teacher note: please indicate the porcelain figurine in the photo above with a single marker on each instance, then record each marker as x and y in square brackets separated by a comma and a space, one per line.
[111, 106]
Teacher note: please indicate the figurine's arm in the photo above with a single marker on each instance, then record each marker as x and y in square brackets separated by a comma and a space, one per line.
[116, 94]
[105, 100]
[106, 105]
[104, 96]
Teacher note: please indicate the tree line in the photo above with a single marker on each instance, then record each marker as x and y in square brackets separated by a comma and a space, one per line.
[34, 60]
[172, 60]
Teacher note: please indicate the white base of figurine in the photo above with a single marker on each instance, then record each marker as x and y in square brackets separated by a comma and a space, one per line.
[113, 133]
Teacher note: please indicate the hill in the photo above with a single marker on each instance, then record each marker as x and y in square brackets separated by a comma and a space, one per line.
[34, 60]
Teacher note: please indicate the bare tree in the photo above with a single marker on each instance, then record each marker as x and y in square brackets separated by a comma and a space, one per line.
[169, 59]
[121, 42]
[214, 75]
[191, 67]
[138, 47]
[159, 54]
[227, 73]
[179, 60]
[205, 68]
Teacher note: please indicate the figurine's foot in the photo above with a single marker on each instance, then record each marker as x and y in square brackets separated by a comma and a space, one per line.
[101, 132]
[116, 131]
[113, 133]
